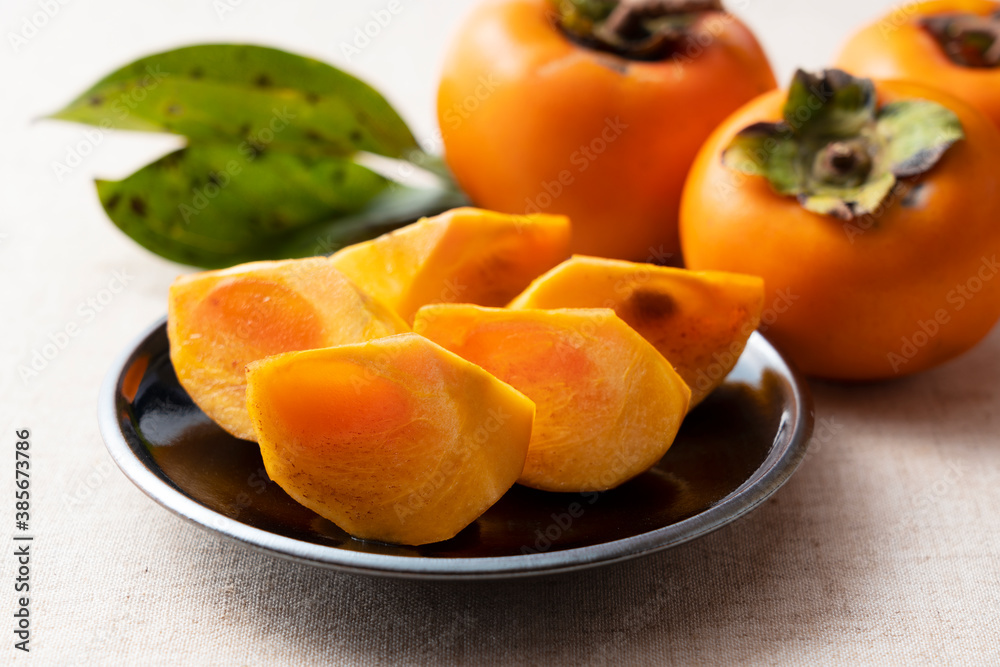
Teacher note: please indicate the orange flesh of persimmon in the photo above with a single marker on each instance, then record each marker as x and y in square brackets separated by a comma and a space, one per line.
[465, 255]
[699, 320]
[608, 405]
[219, 321]
[395, 440]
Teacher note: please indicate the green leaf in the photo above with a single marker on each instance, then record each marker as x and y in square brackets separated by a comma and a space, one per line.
[243, 93]
[835, 151]
[829, 104]
[217, 205]
[916, 134]
[848, 203]
[769, 150]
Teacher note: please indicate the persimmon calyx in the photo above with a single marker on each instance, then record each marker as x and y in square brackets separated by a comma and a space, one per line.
[836, 150]
[969, 40]
[635, 29]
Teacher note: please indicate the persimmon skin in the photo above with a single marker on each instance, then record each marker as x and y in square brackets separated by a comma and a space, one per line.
[533, 122]
[861, 299]
[897, 47]
[395, 440]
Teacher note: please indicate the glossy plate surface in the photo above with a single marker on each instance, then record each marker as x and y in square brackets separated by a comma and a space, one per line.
[733, 451]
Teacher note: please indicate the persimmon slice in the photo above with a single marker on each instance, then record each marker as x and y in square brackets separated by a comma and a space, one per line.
[465, 255]
[608, 404]
[395, 440]
[699, 320]
[218, 321]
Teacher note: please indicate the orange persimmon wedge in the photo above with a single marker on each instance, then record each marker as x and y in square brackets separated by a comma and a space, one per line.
[218, 321]
[608, 405]
[699, 320]
[465, 255]
[395, 440]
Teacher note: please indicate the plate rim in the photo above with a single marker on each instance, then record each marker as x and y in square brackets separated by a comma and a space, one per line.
[772, 473]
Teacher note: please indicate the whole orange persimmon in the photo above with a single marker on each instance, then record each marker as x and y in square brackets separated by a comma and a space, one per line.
[953, 45]
[871, 210]
[593, 109]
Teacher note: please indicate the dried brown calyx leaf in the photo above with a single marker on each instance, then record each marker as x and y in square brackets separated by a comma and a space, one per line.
[635, 29]
[969, 40]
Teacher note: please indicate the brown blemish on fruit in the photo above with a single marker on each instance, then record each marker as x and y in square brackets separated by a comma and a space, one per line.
[649, 306]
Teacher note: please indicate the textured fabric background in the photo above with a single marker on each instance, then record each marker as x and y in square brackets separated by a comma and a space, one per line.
[883, 548]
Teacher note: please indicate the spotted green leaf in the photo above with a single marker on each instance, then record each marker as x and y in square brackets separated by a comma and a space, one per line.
[217, 205]
[243, 93]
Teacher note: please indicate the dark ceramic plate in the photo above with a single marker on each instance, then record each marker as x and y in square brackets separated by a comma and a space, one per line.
[733, 452]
